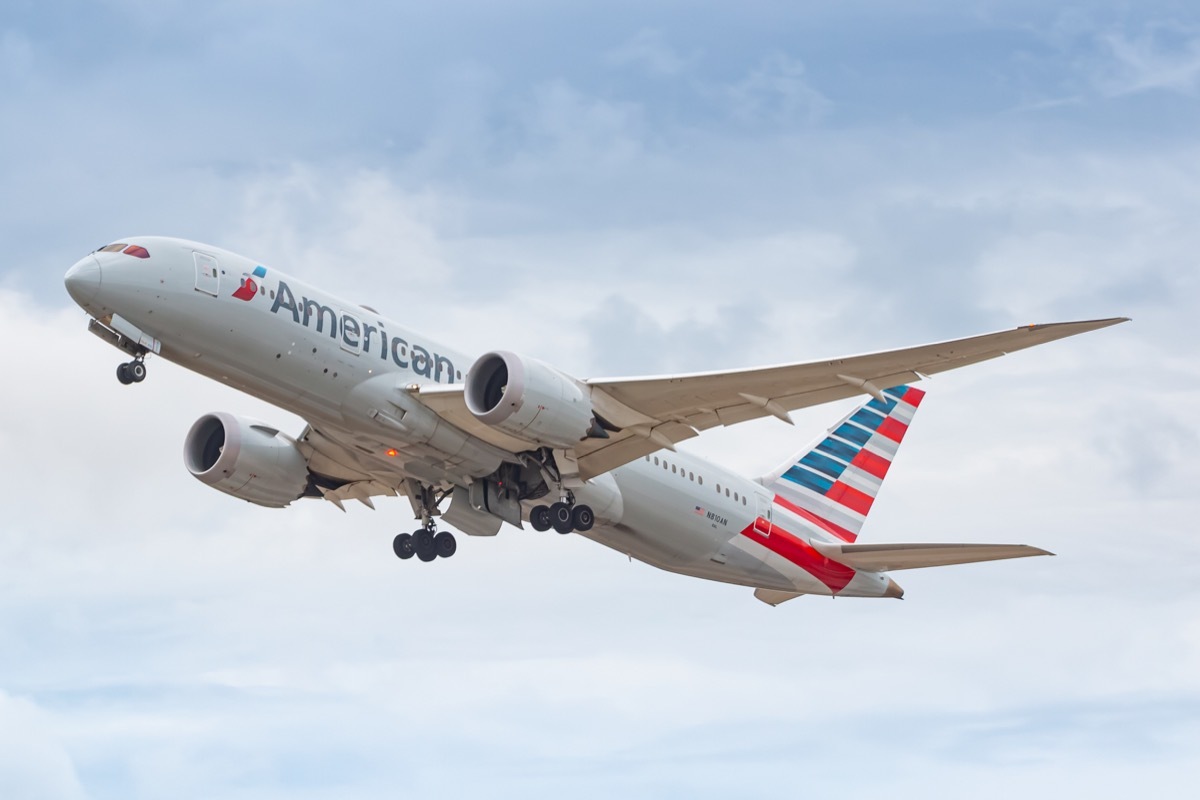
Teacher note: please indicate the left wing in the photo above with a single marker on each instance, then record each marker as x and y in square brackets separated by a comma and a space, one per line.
[653, 413]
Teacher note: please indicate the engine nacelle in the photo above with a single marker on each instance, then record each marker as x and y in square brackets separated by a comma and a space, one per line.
[529, 399]
[246, 459]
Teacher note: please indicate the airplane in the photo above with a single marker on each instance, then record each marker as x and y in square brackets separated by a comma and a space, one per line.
[507, 438]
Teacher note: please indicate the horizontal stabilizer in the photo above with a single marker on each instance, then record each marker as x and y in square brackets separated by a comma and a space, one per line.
[774, 597]
[888, 557]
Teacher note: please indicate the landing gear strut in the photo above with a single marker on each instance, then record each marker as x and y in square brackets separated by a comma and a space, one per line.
[132, 372]
[564, 516]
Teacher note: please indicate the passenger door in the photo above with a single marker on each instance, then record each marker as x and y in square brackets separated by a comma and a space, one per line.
[208, 274]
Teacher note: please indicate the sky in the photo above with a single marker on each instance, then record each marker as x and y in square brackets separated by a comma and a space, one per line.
[616, 188]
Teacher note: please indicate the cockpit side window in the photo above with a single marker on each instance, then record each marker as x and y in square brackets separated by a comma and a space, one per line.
[113, 248]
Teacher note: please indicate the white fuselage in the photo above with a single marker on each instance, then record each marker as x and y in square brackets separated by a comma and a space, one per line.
[282, 340]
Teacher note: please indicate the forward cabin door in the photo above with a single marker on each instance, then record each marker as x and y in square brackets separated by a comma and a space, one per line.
[208, 274]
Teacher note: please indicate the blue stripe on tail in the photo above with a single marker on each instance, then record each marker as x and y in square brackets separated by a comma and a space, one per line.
[808, 479]
[824, 464]
[838, 449]
[853, 433]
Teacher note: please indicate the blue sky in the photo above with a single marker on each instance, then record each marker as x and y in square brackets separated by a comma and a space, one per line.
[617, 188]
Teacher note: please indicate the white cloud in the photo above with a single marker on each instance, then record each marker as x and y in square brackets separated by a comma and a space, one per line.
[777, 91]
[1145, 63]
[648, 49]
[34, 764]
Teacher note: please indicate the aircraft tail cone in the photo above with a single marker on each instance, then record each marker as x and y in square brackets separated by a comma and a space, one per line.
[893, 590]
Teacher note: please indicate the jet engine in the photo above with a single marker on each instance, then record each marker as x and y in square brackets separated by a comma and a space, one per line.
[529, 399]
[246, 459]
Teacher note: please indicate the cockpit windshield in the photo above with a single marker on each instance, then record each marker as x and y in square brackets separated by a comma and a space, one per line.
[135, 250]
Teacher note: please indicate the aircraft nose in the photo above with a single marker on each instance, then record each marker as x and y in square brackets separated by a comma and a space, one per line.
[83, 280]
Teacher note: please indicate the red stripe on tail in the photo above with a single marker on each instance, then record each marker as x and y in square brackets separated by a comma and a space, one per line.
[913, 396]
[823, 524]
[892, 428]
[871, 463]
[850, 497]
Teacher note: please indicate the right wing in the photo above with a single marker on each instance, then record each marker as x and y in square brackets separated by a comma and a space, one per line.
[656, 412]
[652, 413]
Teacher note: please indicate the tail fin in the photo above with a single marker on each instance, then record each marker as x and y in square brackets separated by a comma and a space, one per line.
[833, 483]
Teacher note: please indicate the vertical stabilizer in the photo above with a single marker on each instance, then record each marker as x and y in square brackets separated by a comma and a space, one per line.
[832, 484]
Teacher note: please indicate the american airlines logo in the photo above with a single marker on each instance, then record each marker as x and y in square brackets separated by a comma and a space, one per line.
[249, 287]
[357, 336]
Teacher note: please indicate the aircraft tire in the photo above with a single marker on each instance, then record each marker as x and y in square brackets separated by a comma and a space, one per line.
[560, 517]
[539, 518]
[423, 542]
[137, 371]
[123, 374]
[582, 518]
[403, 546]
[445, 545]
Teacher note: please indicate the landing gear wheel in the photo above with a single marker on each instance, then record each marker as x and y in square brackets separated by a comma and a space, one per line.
[560, 517]
[445, 545]
[123, 374]
[403, 546]
[423, 543]
[136, 371]
[539, 518]
[582, 518]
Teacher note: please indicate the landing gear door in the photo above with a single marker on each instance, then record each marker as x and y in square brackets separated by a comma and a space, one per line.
[208, 274]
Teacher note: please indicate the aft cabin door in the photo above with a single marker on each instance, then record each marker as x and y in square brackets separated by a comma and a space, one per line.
[762, 523]
[208, 274]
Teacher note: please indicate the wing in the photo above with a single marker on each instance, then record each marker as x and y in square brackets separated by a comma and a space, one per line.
[653, 413]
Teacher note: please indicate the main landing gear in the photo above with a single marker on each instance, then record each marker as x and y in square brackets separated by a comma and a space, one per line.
[132, 372]
[425, 544]
[563, 516]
